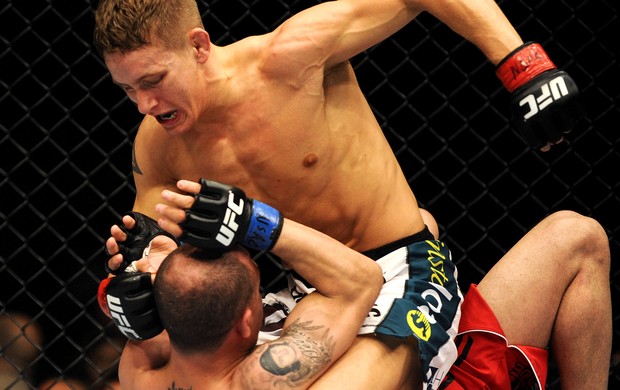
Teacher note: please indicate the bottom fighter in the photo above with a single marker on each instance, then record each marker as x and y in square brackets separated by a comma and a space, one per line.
[209, 303]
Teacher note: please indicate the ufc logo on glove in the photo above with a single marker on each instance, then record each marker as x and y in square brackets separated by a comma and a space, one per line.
[550, 92]
[229, 226]
[128, 300]
[223, 216]
[545, 101]
[116, 312]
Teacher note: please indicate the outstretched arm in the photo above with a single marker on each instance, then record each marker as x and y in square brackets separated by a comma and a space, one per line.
[545, 100]
[335, 31]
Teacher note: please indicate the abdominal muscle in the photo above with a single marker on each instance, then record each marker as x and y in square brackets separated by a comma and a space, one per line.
[359, 197]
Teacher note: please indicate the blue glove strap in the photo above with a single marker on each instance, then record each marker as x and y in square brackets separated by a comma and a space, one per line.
[264, 222]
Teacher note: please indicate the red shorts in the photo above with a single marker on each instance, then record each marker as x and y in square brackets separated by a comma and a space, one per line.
[485, 360]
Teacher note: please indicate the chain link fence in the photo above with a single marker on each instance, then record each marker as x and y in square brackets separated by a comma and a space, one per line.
[65, 154]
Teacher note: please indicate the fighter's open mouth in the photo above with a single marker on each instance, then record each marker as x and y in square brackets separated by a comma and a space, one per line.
[167, 116]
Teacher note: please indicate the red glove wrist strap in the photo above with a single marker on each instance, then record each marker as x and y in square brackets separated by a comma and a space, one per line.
[102, 297]
[522, 65]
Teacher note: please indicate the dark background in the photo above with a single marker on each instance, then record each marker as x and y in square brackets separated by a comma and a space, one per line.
[66, 133]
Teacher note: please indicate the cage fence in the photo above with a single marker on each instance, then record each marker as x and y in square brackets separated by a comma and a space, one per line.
[66, 138]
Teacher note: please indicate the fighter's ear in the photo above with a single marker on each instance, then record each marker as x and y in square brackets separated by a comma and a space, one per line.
[201, 43]
[244, 327]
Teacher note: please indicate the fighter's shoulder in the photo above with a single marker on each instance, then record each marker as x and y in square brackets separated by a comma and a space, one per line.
[279, 56]
[150, 144]
[151, 137]
[151, 132]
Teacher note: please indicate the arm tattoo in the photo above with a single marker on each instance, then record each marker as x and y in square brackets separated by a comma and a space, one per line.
[134, 162]
[299, 356]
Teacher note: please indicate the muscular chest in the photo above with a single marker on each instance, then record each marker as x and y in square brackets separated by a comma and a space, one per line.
[267, 159]
[281, 146]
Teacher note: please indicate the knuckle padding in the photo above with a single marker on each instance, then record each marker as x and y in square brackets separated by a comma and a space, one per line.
[198, 223]
[218, 218]
[208, 204]
[203, 218]
[130, 287]
[213, 189]
[553, 113]
[194, 239]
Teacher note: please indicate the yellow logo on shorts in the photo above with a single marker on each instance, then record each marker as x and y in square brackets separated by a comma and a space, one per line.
[419, 324]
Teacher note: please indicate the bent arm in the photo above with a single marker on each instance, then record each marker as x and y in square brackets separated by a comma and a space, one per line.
[334, 269]
[324, 324]
[347, 283]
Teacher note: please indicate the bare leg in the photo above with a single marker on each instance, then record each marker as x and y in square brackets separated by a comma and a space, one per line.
[552, 289]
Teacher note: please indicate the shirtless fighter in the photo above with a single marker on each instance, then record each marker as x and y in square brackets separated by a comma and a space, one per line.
[282, 116]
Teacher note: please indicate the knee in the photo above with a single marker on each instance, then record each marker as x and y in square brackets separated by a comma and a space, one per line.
[583, 236]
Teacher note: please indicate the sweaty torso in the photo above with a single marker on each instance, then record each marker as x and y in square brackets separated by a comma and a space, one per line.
[313, 150]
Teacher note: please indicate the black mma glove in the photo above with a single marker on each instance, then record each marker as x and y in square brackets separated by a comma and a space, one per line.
[222, 216]
[545, 101]
[128, 300]
[138, 240]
